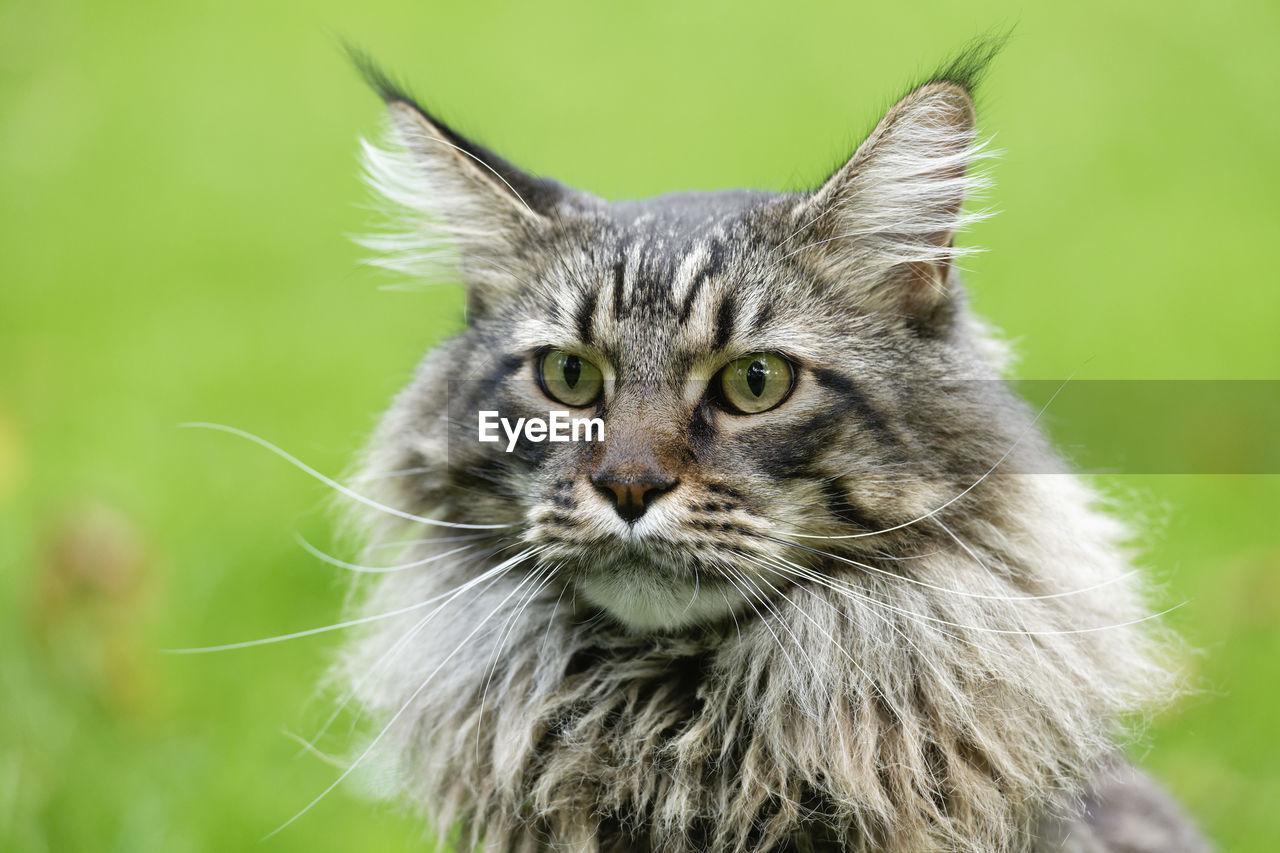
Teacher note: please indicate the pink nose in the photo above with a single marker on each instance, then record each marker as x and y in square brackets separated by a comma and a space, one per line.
[632, 496]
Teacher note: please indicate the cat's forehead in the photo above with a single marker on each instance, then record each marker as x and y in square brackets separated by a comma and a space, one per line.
[688, 215]
[669, 278]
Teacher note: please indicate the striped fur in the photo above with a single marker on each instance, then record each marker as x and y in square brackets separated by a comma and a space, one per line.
[878, 617]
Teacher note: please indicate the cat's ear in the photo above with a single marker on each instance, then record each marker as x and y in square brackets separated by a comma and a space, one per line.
[461, 209]
[884, 223]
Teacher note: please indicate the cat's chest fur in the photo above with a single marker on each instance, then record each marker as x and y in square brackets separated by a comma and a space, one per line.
[853, 724]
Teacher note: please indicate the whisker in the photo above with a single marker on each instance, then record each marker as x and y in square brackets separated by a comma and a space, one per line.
[371, 476]
[551, 620]
[544, 578]
[342, 564]
[310, 749]
[395, 717]
[966, 593]
[470, 537]
[856, 596]
[799, 645]
[747, 595]
[1025, 432]
[812, 621]
[334, 484]
[732, 612]
[400, 644]
[948, 683]
[845, 588]
[337, 626]
[694, 595]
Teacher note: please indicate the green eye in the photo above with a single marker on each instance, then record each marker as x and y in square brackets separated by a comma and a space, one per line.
[569, 379]
[756, 383]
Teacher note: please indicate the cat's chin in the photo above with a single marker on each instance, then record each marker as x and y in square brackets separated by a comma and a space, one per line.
[646, 598]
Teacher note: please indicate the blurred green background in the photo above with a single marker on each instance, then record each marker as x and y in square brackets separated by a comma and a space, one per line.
[177, 183]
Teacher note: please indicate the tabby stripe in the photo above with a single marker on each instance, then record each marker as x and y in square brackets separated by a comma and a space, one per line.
[702, 435]
[845, 388]
[480, 393]
[839, 505]
[478, 476]
[761, 321]
[586, 316]
[727, 491]
[788, 452]
[508, 363]
[724, 322]
[715, 261]
[619, 280]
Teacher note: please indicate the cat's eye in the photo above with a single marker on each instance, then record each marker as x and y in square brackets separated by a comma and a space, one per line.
[569, 379]
[756, 383]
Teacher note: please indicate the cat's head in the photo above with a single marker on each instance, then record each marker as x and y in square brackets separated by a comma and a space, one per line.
[766, 366]
[845, 612]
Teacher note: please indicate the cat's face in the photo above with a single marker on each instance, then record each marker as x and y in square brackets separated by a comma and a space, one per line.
[793, 438]
[760, 363]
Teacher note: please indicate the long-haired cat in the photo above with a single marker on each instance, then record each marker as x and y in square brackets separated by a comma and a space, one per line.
[822, 586]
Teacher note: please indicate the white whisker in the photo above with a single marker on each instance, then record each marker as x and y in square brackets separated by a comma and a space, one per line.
[404, 707]
[370, 476]
[337, 626]
[334, 484]
[817, 673]
[845, 588]
[342, 564]
[962, 592]
[402, 543]
[741, 585]
[1029, 429]
[494, 575]
[543, 577]
[814, 622]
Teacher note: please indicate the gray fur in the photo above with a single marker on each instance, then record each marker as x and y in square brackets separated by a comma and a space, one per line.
[948, 671]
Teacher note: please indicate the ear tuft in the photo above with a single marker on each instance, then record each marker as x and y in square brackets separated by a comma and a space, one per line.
[377, 79]
[884, 224]
[968, 68]
[459, 211]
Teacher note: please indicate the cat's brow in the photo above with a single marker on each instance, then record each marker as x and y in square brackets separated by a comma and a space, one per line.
[585, 320]
[726, 318]
[619, 288]
[714, 261]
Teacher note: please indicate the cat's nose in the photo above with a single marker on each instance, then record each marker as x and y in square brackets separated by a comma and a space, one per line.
[633, 494]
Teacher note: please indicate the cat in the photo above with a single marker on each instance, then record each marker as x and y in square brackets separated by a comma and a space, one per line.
[821, 585]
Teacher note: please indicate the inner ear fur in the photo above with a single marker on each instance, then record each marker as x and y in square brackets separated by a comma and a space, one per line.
[459, 211]
[884, 223]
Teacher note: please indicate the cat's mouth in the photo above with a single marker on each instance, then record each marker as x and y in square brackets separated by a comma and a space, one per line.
[647, 598]
[655, 589]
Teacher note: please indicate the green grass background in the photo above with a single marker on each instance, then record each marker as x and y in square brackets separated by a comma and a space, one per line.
[177, 181]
